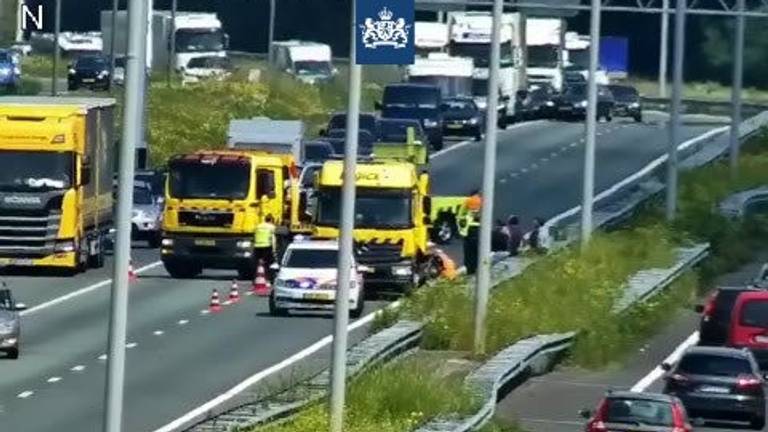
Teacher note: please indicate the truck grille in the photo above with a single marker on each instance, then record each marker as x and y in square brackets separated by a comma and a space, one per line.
[378, 253]
[206, 219]
[28, 234]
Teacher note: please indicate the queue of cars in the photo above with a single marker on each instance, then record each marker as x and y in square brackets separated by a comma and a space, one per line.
[721, 379]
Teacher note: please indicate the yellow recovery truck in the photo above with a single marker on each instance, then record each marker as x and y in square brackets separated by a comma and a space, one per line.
[57, 159]
[216, 199]
[393, 211]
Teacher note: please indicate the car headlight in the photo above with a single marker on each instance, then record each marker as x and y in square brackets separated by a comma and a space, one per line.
[137, 214]
[71, 71]
[402, 271]
[429, 123]
[549, 103]
[167, 242]
[64, 246]
[473, 121]
[16, 70]
[103, 74]
[583, 104]
[9, 342]
[634, 105]
[244, 244]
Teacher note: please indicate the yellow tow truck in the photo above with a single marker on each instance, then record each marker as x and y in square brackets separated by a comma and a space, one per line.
[58, 160]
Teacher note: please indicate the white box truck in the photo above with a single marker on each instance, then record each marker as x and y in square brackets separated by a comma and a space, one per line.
[198, 34]
[430, 37]
[542, 37]
[453, 75]
[308, 62]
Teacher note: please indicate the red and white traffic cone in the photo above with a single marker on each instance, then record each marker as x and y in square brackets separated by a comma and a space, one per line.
[215, 303]
[234, 293]
[260, 284]
[131, 273]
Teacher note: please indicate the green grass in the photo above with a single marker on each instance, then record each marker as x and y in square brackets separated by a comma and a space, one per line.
[709, 91]
[27, 87]
[42, 66]
[394, 398]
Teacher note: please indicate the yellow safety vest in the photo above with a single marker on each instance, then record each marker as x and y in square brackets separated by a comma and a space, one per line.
[264, 235]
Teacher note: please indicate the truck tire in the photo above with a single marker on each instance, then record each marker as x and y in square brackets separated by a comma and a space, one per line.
[358, 311]
[274, 310]
[97, 260]
[155, 240]
[13, 353]
[182, 270]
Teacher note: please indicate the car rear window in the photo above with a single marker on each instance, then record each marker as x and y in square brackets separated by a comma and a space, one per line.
[646, 412]
[754, 313]
[712, 364]
[724, 303]
[311, 258]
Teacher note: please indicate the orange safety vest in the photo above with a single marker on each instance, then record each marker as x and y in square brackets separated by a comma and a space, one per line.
[447, 265]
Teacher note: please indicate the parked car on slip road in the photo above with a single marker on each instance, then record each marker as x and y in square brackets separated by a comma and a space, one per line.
[307, 279]
[718, 383]
[462, 117]
[572, 103]
[715, 319]
[630, 411]
[213, 68]
[89, 71]
[10, 323]
[627, 102]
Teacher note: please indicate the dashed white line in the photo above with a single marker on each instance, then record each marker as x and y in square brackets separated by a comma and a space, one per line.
[102, 357]
[524, 170]
[573, 144]
[205, 312]
[54, 379]
[534, 166]
[553, 154]
[158, 332]
[502, 180]
[131, 345]
[78, 368]
[227, 303]
[25, 394]
[183, 322]
[513, 175]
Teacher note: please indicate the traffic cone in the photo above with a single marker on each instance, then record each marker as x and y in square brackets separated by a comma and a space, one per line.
[234, 293]
[131, 273]
[215, 304]
[260, 283]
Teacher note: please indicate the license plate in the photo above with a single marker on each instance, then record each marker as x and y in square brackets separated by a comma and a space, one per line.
[317, 296]
[761, 339]
[454, 126]
[205, 242]
[714, 389]
[16, 262]
[88, 80]
[565, 108]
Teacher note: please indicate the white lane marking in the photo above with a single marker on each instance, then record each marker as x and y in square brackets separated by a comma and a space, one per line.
[227, 303]
[657, 372]
[513, 174]
[82, 291]
[467, 142]
[158, 332]
[204, 312]
[78, 368]
[502, 180]
[524, 170]
[183, 322]
[25, 394]
[544, 159]
[54, 379]
[554, 154]
[534, 166]
[259, 376]
[131, 345]
[102, 357]
[573, 144]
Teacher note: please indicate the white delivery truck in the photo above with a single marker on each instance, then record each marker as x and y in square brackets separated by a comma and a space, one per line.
[471, 37]
[543, 45]
[430, 37]
[74, 44]
[198, 34]
[453, 75]
[309, 62]
[576, 57]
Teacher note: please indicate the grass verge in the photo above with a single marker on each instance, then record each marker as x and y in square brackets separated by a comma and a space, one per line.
[27, 87]
[708, 91]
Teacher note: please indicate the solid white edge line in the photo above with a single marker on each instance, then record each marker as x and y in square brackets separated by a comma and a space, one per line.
[658, 372]
[81, 291]
[264, 373]
[465, 143]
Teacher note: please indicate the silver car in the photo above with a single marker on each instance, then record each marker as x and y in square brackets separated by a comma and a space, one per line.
[10, 323]
[147, 217]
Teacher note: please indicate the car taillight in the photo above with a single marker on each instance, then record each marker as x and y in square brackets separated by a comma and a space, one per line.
[679, 419]
[749, 382]
[709, 309]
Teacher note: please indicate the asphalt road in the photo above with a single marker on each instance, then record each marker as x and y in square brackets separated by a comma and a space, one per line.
[550, 403]
[179, 358]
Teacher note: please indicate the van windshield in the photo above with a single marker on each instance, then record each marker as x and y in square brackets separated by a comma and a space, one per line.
[411, 97]
[311, 258]
[755, 314]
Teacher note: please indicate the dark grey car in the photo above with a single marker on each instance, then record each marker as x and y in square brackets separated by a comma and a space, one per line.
[10, 324]
[718, 383]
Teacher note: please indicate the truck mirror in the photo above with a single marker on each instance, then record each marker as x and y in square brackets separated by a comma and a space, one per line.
[85, 174]
[378, 105]
[427, 204]
[323, 132]
[18, 307]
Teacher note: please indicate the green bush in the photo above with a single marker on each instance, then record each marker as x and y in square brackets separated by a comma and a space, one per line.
[27, 87]
[42, 66]
[394, 398]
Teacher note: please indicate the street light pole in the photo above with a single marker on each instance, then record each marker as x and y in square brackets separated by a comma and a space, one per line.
[172, 57]
[736, 87]
[272, 13]
[489, 174]
[118, 319]
[19, 21]
[341, 308]
[56, 49]
[112, 33]
[664, 49]
[588, 185]
[674, 121]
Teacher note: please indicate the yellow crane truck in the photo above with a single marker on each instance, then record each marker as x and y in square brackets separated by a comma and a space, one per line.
[393, 212]
[57, 159]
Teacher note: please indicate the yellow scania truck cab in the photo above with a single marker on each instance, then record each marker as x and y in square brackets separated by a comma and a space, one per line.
[57, 159]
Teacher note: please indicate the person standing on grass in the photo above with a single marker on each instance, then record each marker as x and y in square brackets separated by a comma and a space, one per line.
[470, 244]
[534, 240]
[515, 238]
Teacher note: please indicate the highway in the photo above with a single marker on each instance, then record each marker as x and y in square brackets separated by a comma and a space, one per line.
[180, 358]
[550, 403]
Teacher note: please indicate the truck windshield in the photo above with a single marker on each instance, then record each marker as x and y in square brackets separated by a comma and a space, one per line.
[448, 85]
[199, 40]
[374, 208]
[579, 58]
[542, 56]
[202, 181]
[311, 67]
[481, 53]
[32, 171]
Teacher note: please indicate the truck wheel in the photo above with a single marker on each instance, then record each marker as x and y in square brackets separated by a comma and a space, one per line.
[443, 230]
[274, 310]
[182, 270]
[503, 121]
[358, 311]
[437, 145]
[639, 118]
[155, 240]
[757, 423]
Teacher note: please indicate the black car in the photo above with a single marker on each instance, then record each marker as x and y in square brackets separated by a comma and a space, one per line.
[415, 101]
[366, 121]
[628, 102]
[318, 151]
[10, 324]
[718, 383]
[89, 71]
[462, 117]
[396, 130]
[716, 315]
[572, 103]
[536, 102]
[337, 138]
[573, 77]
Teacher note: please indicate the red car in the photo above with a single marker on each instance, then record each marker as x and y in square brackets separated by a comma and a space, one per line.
[625, 411]
[749, 325]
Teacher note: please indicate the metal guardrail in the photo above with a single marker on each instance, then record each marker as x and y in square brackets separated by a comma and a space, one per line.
[693, 105]
[737, 205]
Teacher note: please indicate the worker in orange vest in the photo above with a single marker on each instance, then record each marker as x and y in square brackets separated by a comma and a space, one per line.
[445, 266]
[468, 211]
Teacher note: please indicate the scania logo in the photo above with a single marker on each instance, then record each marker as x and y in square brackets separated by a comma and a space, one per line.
[15, 199]
[205, 217]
